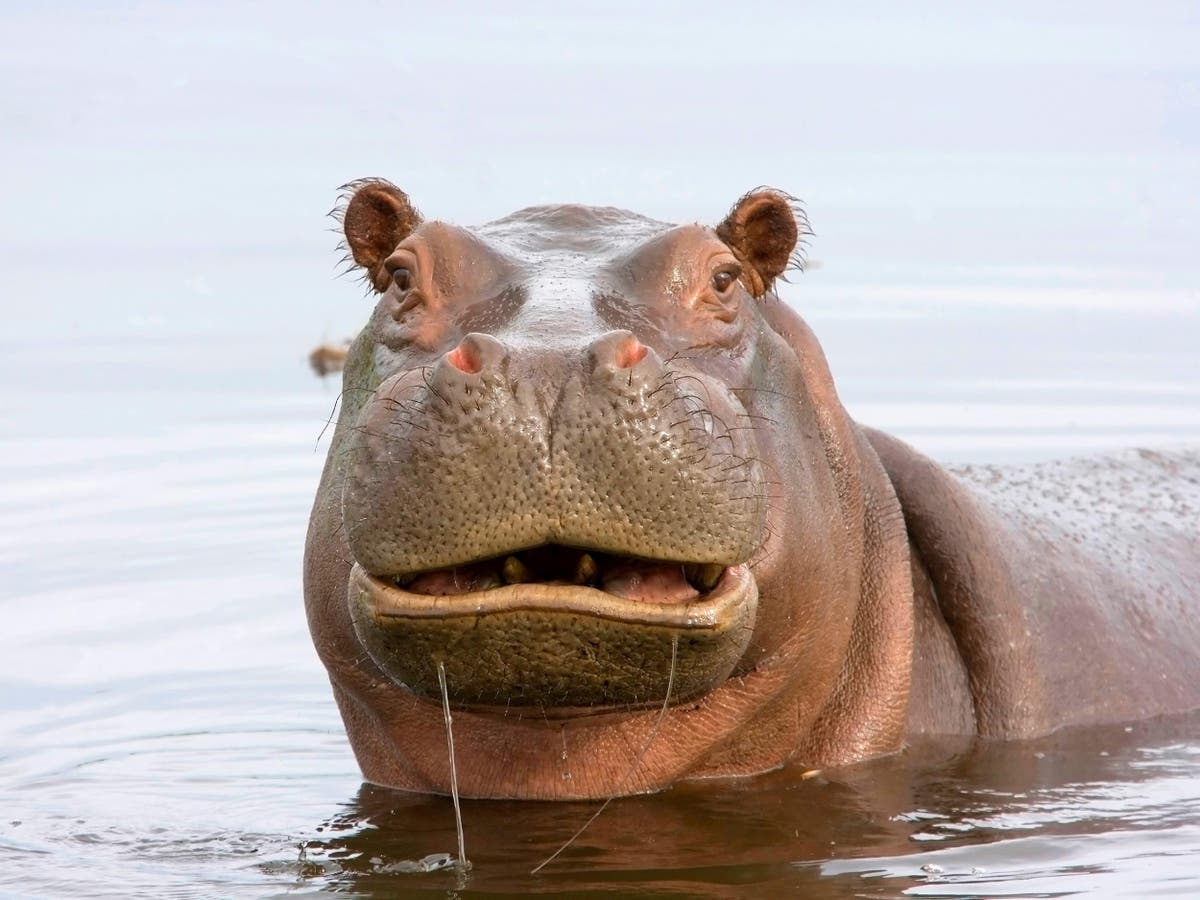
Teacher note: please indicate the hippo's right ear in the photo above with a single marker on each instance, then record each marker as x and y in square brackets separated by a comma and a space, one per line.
[765, 230]
[376, 216]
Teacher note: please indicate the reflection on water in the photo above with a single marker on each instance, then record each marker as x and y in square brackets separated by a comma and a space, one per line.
[971, 819]
[165, 727]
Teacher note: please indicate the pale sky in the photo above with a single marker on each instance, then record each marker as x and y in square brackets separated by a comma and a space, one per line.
[176, 160]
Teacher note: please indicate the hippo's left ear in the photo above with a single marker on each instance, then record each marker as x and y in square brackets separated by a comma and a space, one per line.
[376, 216]
[763, 230]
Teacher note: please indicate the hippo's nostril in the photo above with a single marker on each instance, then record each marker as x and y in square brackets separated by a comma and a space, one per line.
[466, 358]
[477, 353]
[629, 353]
[617, 350]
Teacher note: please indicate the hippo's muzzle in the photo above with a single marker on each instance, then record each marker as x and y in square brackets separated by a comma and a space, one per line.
[566, 530]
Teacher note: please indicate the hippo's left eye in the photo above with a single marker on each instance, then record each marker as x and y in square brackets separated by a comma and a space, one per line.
[402, 278]
[723, 280]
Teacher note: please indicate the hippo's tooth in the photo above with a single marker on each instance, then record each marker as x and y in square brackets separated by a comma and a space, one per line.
[585, 569]
[515, 571]
[703, 576]
[483, 581]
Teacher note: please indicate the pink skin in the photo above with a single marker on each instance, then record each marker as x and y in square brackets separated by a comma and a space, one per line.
[642, 580]
[649, 582]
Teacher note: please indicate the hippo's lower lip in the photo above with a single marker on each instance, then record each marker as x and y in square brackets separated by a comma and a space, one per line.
[711, 611]
[554, 646]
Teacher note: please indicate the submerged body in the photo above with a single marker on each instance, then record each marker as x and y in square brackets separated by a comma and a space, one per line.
[591, 468]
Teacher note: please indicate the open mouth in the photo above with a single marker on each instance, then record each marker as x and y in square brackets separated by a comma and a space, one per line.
[626, 577]
[571, 630]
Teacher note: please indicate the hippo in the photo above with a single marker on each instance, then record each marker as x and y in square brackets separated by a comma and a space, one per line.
[593, 495]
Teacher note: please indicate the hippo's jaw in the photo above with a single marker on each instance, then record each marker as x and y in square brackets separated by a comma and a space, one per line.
[567, 649]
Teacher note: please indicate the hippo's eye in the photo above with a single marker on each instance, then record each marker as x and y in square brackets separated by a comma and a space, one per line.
[402, 278]
[723, 280]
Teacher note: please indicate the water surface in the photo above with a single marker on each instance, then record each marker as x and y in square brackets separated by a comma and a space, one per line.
[165, 726]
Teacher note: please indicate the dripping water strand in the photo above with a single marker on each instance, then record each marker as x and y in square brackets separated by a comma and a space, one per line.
[463, 863]
[637, 762]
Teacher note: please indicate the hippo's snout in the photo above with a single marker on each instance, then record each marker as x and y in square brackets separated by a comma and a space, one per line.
[529, 494]
[493, 450]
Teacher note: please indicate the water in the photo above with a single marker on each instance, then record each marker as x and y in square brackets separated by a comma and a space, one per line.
[1006, 221]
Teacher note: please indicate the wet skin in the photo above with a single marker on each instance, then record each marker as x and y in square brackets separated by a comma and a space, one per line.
[590, 466]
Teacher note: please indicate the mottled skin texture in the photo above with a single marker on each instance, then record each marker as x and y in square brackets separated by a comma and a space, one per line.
[587, 391]
[1071, 588]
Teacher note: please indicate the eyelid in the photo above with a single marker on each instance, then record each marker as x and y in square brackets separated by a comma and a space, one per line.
[401, 258]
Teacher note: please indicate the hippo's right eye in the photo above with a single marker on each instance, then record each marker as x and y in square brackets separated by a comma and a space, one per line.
[402, 278]
[723, 280]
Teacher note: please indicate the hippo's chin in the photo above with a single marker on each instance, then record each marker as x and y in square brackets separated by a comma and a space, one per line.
[565, 649]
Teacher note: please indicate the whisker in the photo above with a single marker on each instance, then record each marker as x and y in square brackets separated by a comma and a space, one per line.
[637, 762]
[328, 421]
[463, 862]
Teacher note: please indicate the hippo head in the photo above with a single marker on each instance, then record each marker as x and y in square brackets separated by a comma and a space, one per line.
[591, 480]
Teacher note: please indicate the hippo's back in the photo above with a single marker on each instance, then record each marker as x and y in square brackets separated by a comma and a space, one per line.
[1104, 553]
[1135, 513]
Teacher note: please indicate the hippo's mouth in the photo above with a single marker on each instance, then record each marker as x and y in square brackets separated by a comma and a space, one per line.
[631, 578]
[567, 630]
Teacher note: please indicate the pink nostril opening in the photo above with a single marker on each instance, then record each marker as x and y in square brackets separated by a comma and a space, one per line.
[630, 353]
[465, 358]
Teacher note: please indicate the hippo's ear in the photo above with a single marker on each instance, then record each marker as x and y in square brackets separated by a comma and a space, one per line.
[764, 231]
[376, 216]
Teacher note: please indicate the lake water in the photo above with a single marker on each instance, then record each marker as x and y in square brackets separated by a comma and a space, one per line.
[1006, 271]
